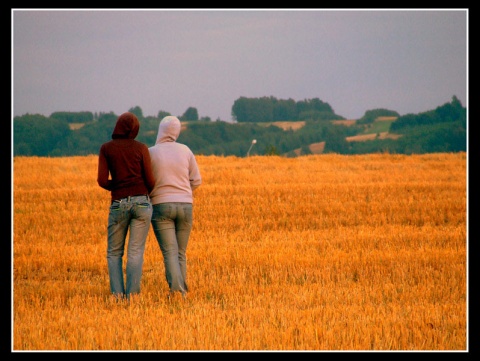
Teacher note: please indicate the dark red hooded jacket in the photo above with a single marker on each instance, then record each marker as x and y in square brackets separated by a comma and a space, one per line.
[124, 166]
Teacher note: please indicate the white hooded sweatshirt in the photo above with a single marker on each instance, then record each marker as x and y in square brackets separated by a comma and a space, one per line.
[174, 165]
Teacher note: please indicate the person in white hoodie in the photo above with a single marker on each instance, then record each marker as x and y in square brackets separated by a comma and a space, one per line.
[176, 175]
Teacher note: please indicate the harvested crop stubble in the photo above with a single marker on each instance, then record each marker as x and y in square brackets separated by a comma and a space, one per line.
[316, 253]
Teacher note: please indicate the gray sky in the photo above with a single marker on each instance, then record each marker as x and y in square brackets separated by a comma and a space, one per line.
[409, 61]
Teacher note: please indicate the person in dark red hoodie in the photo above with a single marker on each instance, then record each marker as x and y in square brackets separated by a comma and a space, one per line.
[125, 169]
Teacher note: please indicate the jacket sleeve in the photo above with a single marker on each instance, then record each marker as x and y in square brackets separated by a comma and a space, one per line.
[147, 170]
[103, 171]
[194, 176]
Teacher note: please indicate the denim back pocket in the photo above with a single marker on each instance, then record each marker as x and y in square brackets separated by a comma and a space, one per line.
[144, 205]
[115, 206]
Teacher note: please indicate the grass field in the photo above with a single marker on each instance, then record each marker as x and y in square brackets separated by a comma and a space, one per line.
[314, 253]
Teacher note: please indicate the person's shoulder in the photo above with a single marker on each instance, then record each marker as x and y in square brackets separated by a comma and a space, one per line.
[106, 144]
[185, 147]
[182, 145]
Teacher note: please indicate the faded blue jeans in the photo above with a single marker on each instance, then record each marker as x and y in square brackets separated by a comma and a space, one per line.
[172, 223]
[133, 215]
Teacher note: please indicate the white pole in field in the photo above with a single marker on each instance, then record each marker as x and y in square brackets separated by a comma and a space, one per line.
[251, 145]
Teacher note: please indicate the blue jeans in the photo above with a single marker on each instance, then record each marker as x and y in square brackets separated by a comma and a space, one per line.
[172, 223]
[128, 214]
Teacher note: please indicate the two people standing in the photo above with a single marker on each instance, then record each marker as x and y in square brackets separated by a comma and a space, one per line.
[169, 173]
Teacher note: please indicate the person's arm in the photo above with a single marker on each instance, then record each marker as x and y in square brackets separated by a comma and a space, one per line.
[148, 176]
[194, 173]
[103, 171]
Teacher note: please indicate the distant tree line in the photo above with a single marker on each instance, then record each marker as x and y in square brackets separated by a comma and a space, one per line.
[440, 130]
[73, 117]
[443, 129]
[270, 109]
[190, 114]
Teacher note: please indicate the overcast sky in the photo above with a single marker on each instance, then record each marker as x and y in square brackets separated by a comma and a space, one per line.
[409, 61]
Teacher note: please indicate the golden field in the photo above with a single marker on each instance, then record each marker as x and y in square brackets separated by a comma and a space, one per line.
[314, 253]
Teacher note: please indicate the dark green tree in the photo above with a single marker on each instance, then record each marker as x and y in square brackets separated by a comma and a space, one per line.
[305, 150]
[190, 114]
[284, 110]
[371, 115]
[137, 111]
[37, 135]
[335, 141]
[162, 114]
[271, 150]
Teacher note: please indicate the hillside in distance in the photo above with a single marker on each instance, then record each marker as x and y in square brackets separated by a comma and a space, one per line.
[377, 130]
[440, 130]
